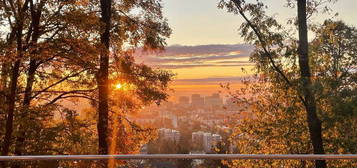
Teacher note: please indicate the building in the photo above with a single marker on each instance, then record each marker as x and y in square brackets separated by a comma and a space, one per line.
[184, 101]
[197, 141]
[174, 121]
[197, 137]
[169, 134]
[197, 100]
[204, 141]
[214, 101]
[207, 142]
[216, 139]
[210, 141]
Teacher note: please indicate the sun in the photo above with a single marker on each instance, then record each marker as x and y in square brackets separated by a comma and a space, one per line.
[118, 86]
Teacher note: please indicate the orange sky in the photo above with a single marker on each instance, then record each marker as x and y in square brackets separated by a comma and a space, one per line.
[186, 89]
[202, 68]
[207, 80]
[212, 72]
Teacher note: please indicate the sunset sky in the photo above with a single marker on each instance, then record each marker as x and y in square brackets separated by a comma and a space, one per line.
[205, 48]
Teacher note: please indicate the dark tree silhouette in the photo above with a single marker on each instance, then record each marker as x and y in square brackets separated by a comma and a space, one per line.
[314, 122]
[102, 78]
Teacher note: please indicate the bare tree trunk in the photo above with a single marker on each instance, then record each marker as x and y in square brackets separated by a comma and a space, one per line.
[314, 122]
[102, 79]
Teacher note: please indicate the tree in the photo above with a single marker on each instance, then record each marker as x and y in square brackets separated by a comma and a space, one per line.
[39, 41]
[33, 64]
[309, 97]
[17, 27]
[275, 127]
[149, 29]
[60, 55]
[102, 78]
[333, 58]
[36, 23]
[277, 52]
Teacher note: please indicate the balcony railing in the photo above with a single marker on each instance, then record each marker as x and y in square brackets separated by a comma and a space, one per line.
[181, 156]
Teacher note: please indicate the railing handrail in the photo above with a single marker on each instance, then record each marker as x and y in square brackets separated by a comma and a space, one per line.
[183, 156]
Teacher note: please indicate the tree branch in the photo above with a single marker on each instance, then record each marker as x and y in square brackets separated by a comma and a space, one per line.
[75, 93]
[264, 46]
[56, 83]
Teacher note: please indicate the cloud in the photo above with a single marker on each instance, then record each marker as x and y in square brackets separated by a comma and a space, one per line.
[179, 50]
[216, 81]
[179, 56]
[176, 66]
[213, 79]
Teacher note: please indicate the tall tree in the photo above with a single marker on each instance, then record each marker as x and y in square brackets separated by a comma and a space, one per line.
[127, 25]
[102, 78]
[35, 11]
[281, 127]
[26, 27]
[313, 120]
[63, 44]
[19, 14]
[268, 36]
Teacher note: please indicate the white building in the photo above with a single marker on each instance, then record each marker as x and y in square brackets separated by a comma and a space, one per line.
[207, 142]
[169, 134]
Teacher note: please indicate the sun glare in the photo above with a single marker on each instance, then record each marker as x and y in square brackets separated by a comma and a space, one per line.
[118, 86]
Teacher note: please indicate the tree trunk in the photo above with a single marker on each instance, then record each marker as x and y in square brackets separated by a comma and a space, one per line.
[26, 104]
[3, 87]
[13, 87]
[35, 17]
[314, 123]
[10, 108]
[5, 74]
[19, 144]
[102, 79]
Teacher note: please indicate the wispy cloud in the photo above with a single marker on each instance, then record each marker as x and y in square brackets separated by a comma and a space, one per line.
[176, 66]
[216, 79]
[178, 56]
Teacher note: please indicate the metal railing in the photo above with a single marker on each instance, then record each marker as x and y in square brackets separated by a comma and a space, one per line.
[181, 156]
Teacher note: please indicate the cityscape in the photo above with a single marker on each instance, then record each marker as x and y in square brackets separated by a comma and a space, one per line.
[194, 124]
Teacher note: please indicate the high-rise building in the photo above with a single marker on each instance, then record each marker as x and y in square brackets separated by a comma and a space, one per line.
[207, 142]
[214, 100]
[184, 101]
[197, 100]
